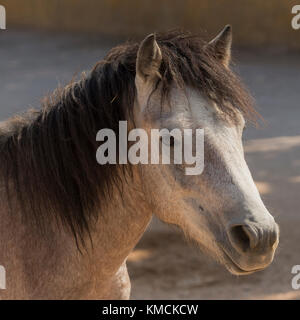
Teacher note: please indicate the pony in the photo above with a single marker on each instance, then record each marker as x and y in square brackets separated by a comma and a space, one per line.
[68, 223]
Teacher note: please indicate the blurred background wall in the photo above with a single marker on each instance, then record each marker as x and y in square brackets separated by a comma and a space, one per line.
[256, 23]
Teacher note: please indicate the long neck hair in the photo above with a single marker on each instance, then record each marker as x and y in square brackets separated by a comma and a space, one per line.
[47, 156]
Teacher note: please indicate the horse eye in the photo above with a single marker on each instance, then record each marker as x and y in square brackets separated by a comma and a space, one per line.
[172, 141]
[165, 141]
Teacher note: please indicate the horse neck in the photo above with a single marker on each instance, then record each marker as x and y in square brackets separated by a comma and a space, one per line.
[124, 221]
[54, 261]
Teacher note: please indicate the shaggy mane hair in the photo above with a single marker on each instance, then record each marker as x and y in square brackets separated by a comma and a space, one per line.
[47, 156]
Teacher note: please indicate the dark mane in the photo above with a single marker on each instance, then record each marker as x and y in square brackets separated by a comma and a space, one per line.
[48, 156]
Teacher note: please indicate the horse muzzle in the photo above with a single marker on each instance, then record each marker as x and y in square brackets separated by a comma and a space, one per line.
[250, 246]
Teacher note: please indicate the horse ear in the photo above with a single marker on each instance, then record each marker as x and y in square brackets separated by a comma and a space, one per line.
[148, 59]
[221, 45]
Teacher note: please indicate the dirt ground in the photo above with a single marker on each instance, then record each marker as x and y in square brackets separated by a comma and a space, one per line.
[164, 266]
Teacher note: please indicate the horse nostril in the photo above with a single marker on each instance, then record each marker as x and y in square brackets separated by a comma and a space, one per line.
[249, 237]
[243, 237]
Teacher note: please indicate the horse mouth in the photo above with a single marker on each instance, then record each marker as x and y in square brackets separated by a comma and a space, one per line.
[236, 269]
